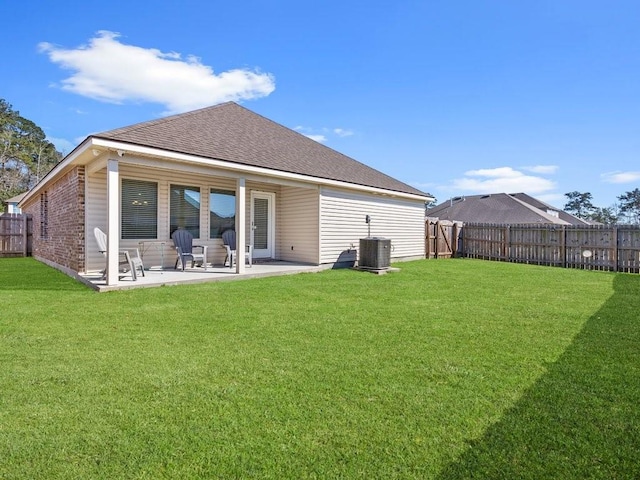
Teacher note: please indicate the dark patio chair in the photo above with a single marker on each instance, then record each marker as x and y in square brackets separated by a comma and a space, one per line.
[229, 242]
[183, 241]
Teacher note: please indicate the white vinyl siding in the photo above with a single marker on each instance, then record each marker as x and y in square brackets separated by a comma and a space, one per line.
[342, 223]
[297, 233]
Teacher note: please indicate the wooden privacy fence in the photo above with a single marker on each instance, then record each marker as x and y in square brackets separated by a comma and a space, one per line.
[592, 247]
[15, 235]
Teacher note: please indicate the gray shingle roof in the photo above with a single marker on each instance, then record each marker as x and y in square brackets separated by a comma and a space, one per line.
[494, 208]
[235, 134]
[567, 217]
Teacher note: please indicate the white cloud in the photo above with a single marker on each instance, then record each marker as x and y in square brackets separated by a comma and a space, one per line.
[542, 169]
[554, 199]
[317, 138]
[341, 132]
[322, 137]
[500, 172]
[110, 71]
[62, 144]
[424, 184]
[620, 177]
[501, 180]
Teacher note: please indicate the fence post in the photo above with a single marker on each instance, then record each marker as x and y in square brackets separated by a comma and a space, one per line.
[454, 240]
[615, 248]
[507, 241]
[25, 243]
[464, 240]
[564, 246]
[426, 238]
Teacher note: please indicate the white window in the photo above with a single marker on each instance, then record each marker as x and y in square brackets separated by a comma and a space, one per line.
[139, 209]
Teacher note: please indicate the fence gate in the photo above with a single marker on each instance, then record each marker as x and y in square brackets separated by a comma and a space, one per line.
[442, 238]
[15, 235]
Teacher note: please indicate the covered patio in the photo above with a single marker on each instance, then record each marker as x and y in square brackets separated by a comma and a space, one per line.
[157, 277]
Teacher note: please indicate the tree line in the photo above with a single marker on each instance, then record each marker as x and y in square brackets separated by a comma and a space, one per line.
[627, 210]
[25, 153]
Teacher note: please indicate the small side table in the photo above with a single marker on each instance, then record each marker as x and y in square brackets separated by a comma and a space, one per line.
[157, 245]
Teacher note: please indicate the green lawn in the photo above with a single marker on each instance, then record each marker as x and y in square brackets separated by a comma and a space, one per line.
[447, 369]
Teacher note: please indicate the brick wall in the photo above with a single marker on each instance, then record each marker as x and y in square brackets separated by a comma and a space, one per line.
[58, 221]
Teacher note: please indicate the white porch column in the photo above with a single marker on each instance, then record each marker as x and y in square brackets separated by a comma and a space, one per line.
[113, 221]
[241, 224]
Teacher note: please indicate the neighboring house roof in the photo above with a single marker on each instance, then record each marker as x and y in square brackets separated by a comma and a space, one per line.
[500, 208]
[232, 133]
[15, 199]
[540, 205]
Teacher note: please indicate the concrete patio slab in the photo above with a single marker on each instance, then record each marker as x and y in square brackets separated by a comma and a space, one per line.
[155, 277]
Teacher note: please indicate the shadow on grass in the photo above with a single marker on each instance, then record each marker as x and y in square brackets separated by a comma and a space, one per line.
[30, 274]
[582, 418]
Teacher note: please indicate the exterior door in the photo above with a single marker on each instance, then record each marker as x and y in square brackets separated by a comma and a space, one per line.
[262, 224]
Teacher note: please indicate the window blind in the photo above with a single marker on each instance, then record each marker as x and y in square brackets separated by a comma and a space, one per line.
[139, 209]
[261, 223]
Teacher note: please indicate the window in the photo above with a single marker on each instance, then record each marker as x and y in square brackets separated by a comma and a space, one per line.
[184, 206]
[222, 212]
[139, 209]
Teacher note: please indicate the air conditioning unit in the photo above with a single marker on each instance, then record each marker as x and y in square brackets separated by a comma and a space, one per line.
[375, 253]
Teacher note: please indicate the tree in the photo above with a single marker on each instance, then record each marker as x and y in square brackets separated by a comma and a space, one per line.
[25, 153]
[579, 204]
[630, 205]
[605, 215]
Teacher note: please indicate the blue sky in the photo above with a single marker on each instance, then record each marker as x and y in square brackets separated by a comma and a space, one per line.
[453, 97]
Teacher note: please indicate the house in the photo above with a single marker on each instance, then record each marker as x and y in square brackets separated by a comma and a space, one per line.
[12, 203]
[290, 197]
[502, 208]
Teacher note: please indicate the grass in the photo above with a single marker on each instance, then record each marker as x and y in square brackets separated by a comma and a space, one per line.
[444, 370]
